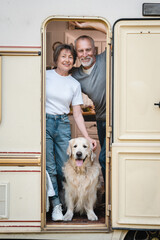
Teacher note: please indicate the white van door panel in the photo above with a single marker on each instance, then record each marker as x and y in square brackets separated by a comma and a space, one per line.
[136, 181]
[136, 125]
[136, 80]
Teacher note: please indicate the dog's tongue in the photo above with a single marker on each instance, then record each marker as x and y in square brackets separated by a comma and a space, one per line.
[79, 163]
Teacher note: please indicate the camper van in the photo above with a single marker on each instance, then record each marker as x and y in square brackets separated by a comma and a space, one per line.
[30, 30]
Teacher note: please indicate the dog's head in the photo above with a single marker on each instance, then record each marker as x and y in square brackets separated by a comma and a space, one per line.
[80, 152]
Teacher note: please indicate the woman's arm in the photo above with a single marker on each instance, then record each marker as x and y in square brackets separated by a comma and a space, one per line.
[77, 114]
[94, 25]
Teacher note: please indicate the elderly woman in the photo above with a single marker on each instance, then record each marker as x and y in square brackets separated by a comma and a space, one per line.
[61, 91]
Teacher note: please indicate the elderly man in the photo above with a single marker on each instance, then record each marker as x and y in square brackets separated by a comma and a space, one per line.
[92, 77]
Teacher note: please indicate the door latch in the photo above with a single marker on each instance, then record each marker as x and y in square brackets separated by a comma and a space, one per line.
[157, 104]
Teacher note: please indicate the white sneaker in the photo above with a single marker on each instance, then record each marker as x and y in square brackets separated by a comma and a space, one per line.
[57, 213]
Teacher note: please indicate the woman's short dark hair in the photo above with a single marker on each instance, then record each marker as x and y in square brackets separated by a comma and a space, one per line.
[60, 47]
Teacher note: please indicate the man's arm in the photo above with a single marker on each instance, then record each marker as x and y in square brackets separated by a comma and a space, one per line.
[93, 25]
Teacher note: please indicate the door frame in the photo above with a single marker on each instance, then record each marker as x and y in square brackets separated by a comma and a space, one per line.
[90, 228]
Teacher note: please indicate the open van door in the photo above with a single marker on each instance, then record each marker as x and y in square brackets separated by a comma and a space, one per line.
[136, 125]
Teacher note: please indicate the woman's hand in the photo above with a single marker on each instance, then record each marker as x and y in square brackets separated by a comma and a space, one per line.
[93, 142]
[77, 114]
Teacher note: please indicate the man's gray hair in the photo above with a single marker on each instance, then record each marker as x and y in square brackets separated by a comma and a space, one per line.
[85, 37]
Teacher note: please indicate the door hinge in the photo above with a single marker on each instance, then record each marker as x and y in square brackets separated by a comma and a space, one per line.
[108, 158]
[109, 131]
[109, 39]
[109, 208]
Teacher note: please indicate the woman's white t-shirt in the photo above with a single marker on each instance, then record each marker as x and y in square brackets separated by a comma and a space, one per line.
[61, 91]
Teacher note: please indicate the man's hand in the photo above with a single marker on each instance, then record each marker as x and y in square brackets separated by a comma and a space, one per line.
[81, 24]
[91, 24]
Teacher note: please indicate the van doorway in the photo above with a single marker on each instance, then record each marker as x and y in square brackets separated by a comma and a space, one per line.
[57, 31]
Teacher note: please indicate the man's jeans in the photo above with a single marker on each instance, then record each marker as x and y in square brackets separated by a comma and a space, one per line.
[101, 127]
[58, 135]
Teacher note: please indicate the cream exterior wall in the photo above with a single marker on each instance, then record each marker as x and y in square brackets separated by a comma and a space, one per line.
[24, 198]
[24, 28]
[20, 127]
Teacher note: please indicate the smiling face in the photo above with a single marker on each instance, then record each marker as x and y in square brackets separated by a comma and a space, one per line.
[85, 52]
[64, 62]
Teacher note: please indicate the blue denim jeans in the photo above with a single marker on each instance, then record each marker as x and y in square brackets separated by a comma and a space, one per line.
[58, 134]
[101, 127]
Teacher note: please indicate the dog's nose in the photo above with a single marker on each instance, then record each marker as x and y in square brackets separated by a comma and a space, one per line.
[79, 154]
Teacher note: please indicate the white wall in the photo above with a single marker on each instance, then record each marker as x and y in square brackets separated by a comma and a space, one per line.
[21, 20]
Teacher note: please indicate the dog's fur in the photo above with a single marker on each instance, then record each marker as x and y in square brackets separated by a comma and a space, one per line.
[81, 174]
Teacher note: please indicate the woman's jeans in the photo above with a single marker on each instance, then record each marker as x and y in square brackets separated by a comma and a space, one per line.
[58, 134]
[101, 127]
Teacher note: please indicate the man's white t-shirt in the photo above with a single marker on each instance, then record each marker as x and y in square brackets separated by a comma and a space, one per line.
[61, 91]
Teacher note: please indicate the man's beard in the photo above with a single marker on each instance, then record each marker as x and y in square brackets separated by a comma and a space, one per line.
[86, 64]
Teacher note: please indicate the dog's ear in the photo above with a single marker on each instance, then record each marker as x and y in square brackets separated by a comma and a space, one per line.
[93, 155]
[69, 149]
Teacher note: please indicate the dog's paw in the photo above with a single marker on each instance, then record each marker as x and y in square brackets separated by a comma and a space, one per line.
[68, 216]
[92, 216]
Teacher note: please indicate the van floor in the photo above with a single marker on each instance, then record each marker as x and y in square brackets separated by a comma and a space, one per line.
[82, 219]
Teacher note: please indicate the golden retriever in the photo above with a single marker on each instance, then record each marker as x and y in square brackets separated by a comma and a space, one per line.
[81, 174]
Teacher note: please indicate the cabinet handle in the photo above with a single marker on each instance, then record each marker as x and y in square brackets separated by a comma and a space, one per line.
[157, 104]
